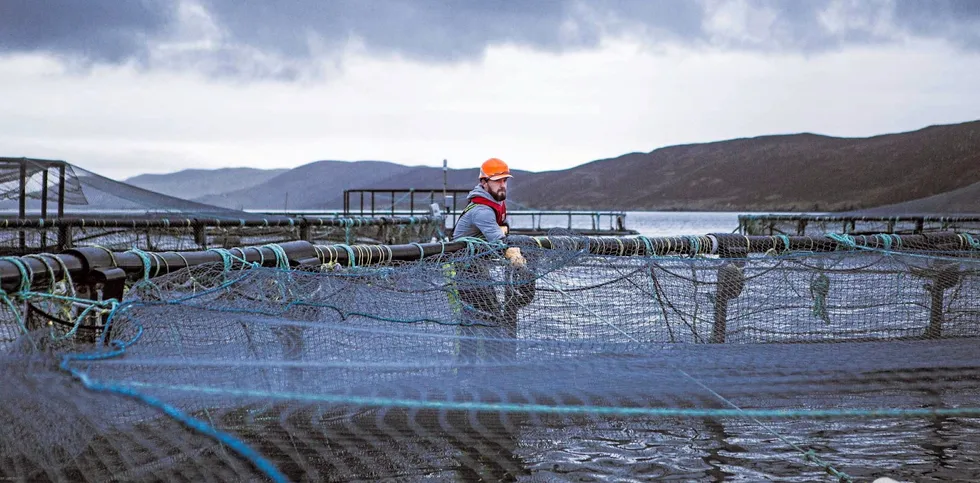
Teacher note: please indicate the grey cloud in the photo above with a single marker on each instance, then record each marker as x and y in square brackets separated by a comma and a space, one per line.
[447, 31]
[278, 39]
[955, 20]
[426, 30]
[91, 30]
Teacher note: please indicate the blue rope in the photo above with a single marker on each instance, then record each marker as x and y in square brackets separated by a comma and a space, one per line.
[260, 462]
[576, 409]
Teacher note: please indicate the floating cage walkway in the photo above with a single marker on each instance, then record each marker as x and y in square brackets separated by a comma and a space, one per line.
[157, 232]
[81, 263]
[804, 224]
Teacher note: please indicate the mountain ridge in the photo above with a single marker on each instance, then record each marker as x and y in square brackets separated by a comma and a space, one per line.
[773, 172]
[195, 182]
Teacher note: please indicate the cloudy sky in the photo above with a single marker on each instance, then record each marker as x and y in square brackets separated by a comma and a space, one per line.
[153, 86]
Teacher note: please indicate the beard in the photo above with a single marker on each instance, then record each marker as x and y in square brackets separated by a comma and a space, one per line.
[499, 195]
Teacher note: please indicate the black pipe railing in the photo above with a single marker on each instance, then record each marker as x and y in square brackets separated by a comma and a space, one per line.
[85, 263]
[182, 232]
[156, 221]
[729, 244]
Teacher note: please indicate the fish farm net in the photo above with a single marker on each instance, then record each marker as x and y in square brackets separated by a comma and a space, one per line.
[578, 360]
[44, 184]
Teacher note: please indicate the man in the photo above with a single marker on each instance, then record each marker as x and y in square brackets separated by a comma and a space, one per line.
[486, 217]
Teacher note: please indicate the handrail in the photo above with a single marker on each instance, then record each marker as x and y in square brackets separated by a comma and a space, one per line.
[87, 264]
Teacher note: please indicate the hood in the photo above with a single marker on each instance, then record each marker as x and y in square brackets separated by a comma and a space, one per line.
[479, 192]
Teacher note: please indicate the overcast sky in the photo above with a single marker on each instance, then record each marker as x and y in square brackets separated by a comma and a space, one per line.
[154, 86]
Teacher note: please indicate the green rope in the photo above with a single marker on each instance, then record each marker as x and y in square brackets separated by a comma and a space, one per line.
[846, 240]
[225, 255]
[351, 257]
[282, 258]
[145, 257]
[26, 276]
[695, 245]
[785, 239]
[973, 242]
[47, 266]
[649, 246]
[421, 250]
[886, 241]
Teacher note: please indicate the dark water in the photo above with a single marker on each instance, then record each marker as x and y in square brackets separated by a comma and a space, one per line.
[426, 445]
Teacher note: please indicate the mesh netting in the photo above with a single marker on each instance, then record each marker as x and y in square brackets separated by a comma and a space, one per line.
[464, 366]
[86, 192]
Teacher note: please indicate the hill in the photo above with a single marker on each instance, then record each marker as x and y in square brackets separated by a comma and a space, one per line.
[964, 200]
[194, 183]
[793, 172]
[311, 186]
[774, 173]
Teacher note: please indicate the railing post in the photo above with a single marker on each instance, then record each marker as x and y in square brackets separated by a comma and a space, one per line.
[112, 282]
[23, 202]
[44, 208]
[942, 277]
[44, 193]
[200, 235]
[61, 190]
[64, 237]
[304, 230]
[730, 282]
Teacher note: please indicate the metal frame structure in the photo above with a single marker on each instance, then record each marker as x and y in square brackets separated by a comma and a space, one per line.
[431, 193]
[47, 164]
[357, 204]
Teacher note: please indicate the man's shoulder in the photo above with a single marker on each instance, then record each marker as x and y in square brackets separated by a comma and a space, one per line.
[478, 208]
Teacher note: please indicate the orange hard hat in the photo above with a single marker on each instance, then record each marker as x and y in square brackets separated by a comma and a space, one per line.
[494, 169]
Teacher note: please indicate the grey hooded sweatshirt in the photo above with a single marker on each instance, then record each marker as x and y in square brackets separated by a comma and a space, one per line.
[480, 221]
